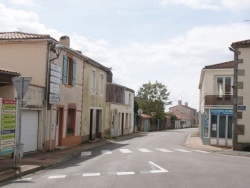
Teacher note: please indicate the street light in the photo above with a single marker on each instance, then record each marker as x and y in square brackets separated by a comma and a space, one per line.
[55, 48]
[235, 97]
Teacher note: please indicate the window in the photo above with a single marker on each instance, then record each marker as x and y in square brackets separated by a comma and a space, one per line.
[101, 84]
[224, 86]
[93, 82]
[69, 71]
[71, 120]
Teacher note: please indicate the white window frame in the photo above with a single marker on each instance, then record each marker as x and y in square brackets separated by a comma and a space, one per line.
[101, 83]
[222, 92]
[93, 81]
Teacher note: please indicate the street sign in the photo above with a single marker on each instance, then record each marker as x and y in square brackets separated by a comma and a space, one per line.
[54, 80]
[241, 107]
[21, 85]
[54, 88]
[55, 74]
[56, 68]
[53, 98]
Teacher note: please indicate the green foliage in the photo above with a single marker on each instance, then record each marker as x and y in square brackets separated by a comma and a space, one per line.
[172, 116]
[153, 98]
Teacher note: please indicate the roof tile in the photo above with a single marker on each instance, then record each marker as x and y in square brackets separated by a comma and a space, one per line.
[21, 36]
[2, 70]
[225, 65]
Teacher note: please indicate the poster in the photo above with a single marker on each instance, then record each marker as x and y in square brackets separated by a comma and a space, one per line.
[7, 126]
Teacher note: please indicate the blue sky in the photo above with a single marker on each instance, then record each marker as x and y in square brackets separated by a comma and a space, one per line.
[142, 40]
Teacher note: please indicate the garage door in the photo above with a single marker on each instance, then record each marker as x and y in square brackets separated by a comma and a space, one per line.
[29, 130]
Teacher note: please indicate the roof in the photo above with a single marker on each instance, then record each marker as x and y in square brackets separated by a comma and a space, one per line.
[180, 115]
[5, 71]
[20, 36]
[241, 43]
[225, 65]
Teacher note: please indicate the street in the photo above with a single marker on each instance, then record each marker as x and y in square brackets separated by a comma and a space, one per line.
[157, 159]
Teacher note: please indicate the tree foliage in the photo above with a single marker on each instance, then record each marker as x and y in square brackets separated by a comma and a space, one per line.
[153, 98]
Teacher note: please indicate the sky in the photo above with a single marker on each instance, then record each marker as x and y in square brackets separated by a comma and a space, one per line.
[168, 41]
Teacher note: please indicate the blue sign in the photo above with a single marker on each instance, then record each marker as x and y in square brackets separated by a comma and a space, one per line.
[221, 111]
[241, 107]
[8, 131]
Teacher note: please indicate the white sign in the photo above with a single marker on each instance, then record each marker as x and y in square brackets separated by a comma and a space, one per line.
[140, 111]
[56, 68]
[53, 99]
[55, 74]
[54, 88]
[54, 80]
[21, 85]
[214, 127]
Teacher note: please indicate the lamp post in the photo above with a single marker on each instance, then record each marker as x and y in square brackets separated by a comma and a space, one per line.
[235, 98]
[55, 48]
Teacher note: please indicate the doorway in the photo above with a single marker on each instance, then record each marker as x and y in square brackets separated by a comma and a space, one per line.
[59, 126]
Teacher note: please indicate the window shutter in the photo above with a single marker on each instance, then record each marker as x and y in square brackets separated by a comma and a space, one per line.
[74, 73]
[100, 83]
[65, 70]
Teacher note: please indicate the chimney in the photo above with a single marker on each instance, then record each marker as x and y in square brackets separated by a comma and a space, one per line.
[179, 102]
[186, 104]
[64, 40]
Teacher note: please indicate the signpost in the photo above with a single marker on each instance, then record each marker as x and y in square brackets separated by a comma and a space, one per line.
[55, 75]
[21, 85]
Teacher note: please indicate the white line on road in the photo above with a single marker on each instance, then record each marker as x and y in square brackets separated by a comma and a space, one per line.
[85, 153]
[144, 150]
[106, 152]
[201, 151]
[125, 173]
[163, 150]
[91, 174]
[24, 179]
[125, 151]
[153, 165]
[55, 177]
[182, 150]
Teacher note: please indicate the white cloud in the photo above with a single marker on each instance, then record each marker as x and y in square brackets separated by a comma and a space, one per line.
[23, 2]
[232, 5]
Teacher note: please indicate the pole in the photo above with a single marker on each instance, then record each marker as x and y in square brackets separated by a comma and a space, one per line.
[235, 97]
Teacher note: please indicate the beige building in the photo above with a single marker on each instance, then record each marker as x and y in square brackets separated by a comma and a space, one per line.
[94, 103]
[216, 104]
[242, 130]
[52, 105]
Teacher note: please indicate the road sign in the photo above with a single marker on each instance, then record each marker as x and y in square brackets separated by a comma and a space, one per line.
[54, 88]
[56, 68]
[21, 85]
[53, 98]
[54, 80]
[241, 107]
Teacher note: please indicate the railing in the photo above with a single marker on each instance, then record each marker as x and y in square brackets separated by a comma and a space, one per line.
[217, 100]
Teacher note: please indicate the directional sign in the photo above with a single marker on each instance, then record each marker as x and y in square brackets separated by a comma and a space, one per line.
[53, 98]
[54, 88]
[21, 84]
[56, 68]
[241, 107]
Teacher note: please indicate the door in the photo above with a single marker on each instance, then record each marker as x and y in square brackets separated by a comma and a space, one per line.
[29, 130]
[91, 125]
[146, 125]
[59, 126]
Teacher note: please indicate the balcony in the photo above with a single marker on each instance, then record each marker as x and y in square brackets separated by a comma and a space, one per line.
[218, 100]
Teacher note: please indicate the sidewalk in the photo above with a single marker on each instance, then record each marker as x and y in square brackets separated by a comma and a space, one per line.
[36, 161]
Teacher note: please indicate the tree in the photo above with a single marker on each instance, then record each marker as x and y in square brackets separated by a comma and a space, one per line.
[153, 98]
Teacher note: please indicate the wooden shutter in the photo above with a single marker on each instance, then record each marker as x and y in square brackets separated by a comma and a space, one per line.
[74, 73]
[65, 70]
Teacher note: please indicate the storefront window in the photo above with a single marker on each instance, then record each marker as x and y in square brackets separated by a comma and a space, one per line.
[213, 126]
[222, 127]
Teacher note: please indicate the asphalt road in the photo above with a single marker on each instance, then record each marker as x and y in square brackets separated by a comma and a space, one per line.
[158, 159]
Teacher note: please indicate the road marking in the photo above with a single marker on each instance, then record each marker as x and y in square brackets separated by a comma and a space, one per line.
[144, 150]
[106, 152]
[154, 166]
[201, 151]
[55, 177]
[125, 173]
[24, 179]
[85, 153]
[91, 174]
[163, 150]
[182, 150]
[125, 151]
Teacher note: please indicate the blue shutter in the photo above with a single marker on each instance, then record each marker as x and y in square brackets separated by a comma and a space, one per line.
[65, 70]
[74, 73]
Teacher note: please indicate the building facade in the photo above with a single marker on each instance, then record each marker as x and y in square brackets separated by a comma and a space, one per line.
[216, 104]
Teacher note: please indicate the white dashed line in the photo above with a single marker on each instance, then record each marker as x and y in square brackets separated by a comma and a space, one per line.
[24, 179]
[125, 151]
[201, 151]
[125, 173]
[182, 150]
[144, 150]
[85, 153]
[106, 152]
[91, 174]
[56, 177]
[164, 150]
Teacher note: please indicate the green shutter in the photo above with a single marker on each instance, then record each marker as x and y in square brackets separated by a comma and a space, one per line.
[74, 73]
[65, 70]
